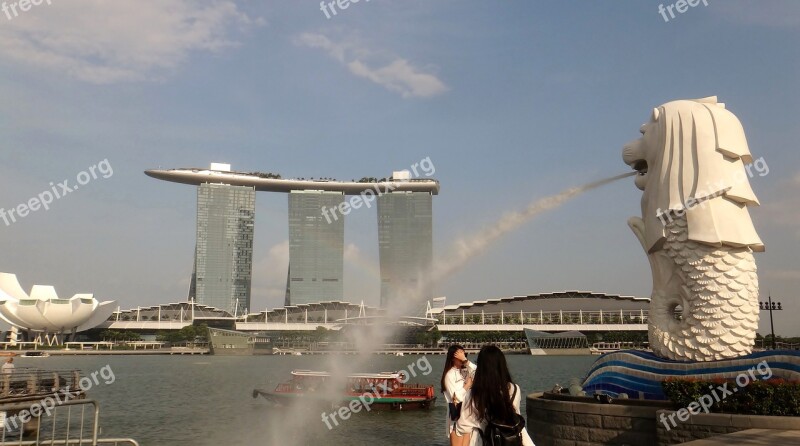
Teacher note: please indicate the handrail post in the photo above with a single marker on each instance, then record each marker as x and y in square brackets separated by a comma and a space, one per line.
[32, 381]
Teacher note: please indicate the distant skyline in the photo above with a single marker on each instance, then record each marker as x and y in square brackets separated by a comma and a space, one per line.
[510, 101]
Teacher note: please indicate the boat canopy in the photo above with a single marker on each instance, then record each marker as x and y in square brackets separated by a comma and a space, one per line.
[319, 374]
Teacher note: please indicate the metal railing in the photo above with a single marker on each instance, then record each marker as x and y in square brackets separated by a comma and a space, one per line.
[38, 422]
[100, 442]
[545, 317]
[26, 383]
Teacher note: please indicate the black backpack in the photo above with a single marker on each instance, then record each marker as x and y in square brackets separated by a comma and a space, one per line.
[508, 433]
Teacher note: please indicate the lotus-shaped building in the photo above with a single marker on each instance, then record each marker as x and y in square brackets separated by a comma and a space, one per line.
[44, 312]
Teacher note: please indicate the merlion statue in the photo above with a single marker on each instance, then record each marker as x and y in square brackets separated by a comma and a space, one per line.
[696, 230]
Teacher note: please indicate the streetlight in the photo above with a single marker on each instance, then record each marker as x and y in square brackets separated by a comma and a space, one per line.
[770, 306]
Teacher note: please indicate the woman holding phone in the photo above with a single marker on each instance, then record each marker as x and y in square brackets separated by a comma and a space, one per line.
[493, 397]
[456, 382]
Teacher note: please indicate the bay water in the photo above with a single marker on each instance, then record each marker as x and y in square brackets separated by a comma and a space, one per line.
[207, 400]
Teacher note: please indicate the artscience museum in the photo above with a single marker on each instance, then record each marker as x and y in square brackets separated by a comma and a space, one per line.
[44, 317]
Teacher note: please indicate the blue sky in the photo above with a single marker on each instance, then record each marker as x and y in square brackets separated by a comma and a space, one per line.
[512, 101]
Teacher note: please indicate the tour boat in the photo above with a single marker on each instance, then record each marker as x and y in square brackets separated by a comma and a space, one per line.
[382, 391]
[601, 348]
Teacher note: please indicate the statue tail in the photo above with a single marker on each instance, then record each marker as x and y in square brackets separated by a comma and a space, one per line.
[714, 313]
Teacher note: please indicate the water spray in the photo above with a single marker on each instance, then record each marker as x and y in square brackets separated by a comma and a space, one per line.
[296, 421]
[468, 247]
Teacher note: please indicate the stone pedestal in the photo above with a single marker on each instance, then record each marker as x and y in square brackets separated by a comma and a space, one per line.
[559, 420]
[563, 420]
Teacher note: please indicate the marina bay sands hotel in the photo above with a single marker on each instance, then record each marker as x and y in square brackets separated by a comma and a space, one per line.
[223, 257]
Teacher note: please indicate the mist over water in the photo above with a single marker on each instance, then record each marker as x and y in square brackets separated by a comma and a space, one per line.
[304, 421]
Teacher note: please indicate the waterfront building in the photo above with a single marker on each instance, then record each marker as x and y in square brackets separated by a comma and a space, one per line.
[585, 311]
[316, 248]
[224, 247]
[557, 311]
[405, 242]
[223, 258]
[43, 317]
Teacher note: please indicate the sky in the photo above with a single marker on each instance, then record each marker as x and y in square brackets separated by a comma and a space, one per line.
[511, 102]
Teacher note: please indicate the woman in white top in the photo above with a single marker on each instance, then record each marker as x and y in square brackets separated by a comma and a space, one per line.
[456, 380]
[493, 396]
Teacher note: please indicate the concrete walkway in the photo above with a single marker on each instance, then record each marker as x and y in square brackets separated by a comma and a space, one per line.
[752, 437]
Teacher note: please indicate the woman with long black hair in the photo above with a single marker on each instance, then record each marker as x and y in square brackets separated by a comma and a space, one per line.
[493, 397]
[456, 382]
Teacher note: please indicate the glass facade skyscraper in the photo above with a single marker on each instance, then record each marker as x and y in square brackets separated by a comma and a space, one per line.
[316, 248]
[224, 250]
[405, 243]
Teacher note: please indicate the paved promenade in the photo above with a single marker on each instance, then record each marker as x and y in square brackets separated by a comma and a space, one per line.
[752, 437]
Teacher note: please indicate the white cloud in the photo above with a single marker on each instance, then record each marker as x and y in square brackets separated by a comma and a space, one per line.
[353, 256]
[122, 40]
[269, 276]
[398, 75]
[361, 276]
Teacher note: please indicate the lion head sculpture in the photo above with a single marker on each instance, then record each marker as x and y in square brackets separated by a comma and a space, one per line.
[691, 161]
